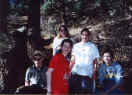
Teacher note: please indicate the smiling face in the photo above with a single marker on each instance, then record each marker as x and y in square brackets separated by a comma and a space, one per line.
[85, 36]
[107, 58]
[62, 32]
[66, 48]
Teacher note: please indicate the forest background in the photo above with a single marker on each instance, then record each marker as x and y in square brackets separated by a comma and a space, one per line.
[29, 24]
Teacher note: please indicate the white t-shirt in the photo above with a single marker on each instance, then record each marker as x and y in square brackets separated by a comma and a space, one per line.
[57, 44]
[85, 54]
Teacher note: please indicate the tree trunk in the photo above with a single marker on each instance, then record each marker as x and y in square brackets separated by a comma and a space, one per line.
[3, 30]
[34, 20]
[3, 15]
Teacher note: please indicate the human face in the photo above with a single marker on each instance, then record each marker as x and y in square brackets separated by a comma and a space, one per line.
[62, 32]
[38, 60]
[66, 48]
[85, 36]
[107, 58]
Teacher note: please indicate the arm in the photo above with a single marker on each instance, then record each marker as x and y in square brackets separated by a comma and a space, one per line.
[27, 77]
[72, 62]
[49, 77]
[94, 74]
[27, 83]
[96, 64]
[54, 46]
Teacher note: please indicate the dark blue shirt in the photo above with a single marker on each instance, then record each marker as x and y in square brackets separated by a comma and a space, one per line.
[110, 75]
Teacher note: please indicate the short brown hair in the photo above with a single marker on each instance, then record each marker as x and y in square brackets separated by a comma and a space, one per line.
[86, 30]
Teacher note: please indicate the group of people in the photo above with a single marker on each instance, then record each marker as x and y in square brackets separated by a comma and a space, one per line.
[75, 67]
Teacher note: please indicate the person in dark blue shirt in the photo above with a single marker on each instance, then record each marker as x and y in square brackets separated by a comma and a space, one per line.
[109, 73]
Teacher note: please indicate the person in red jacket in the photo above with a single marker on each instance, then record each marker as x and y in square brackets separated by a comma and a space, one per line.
[58, 70]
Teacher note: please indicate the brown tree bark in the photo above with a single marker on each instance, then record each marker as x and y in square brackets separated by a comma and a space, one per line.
[34, 20]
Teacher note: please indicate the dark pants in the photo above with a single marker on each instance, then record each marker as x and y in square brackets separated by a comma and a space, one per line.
[80, 84]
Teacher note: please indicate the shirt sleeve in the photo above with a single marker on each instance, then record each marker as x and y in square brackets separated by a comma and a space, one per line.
[73, 50]
[27, 76]
[53, 62]
[118, 74]
[96, 52]
[101, 73]
[54, 46]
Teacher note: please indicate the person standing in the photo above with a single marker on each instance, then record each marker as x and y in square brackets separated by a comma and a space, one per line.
[58, 71]
[84, 55]
[62, 34]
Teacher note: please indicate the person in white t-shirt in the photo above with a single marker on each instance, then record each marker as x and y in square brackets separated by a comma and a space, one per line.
[84, 55]
[62, 34]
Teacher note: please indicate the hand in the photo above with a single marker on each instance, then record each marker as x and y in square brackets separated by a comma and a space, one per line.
[48, 91]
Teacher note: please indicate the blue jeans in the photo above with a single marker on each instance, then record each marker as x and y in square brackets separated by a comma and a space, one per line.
[108, 84]
[80, 84]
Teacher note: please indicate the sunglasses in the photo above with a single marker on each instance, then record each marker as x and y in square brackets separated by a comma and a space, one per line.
[38, 54]
[37, 57]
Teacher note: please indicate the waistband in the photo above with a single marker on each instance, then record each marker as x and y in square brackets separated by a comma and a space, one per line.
[80, 76]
